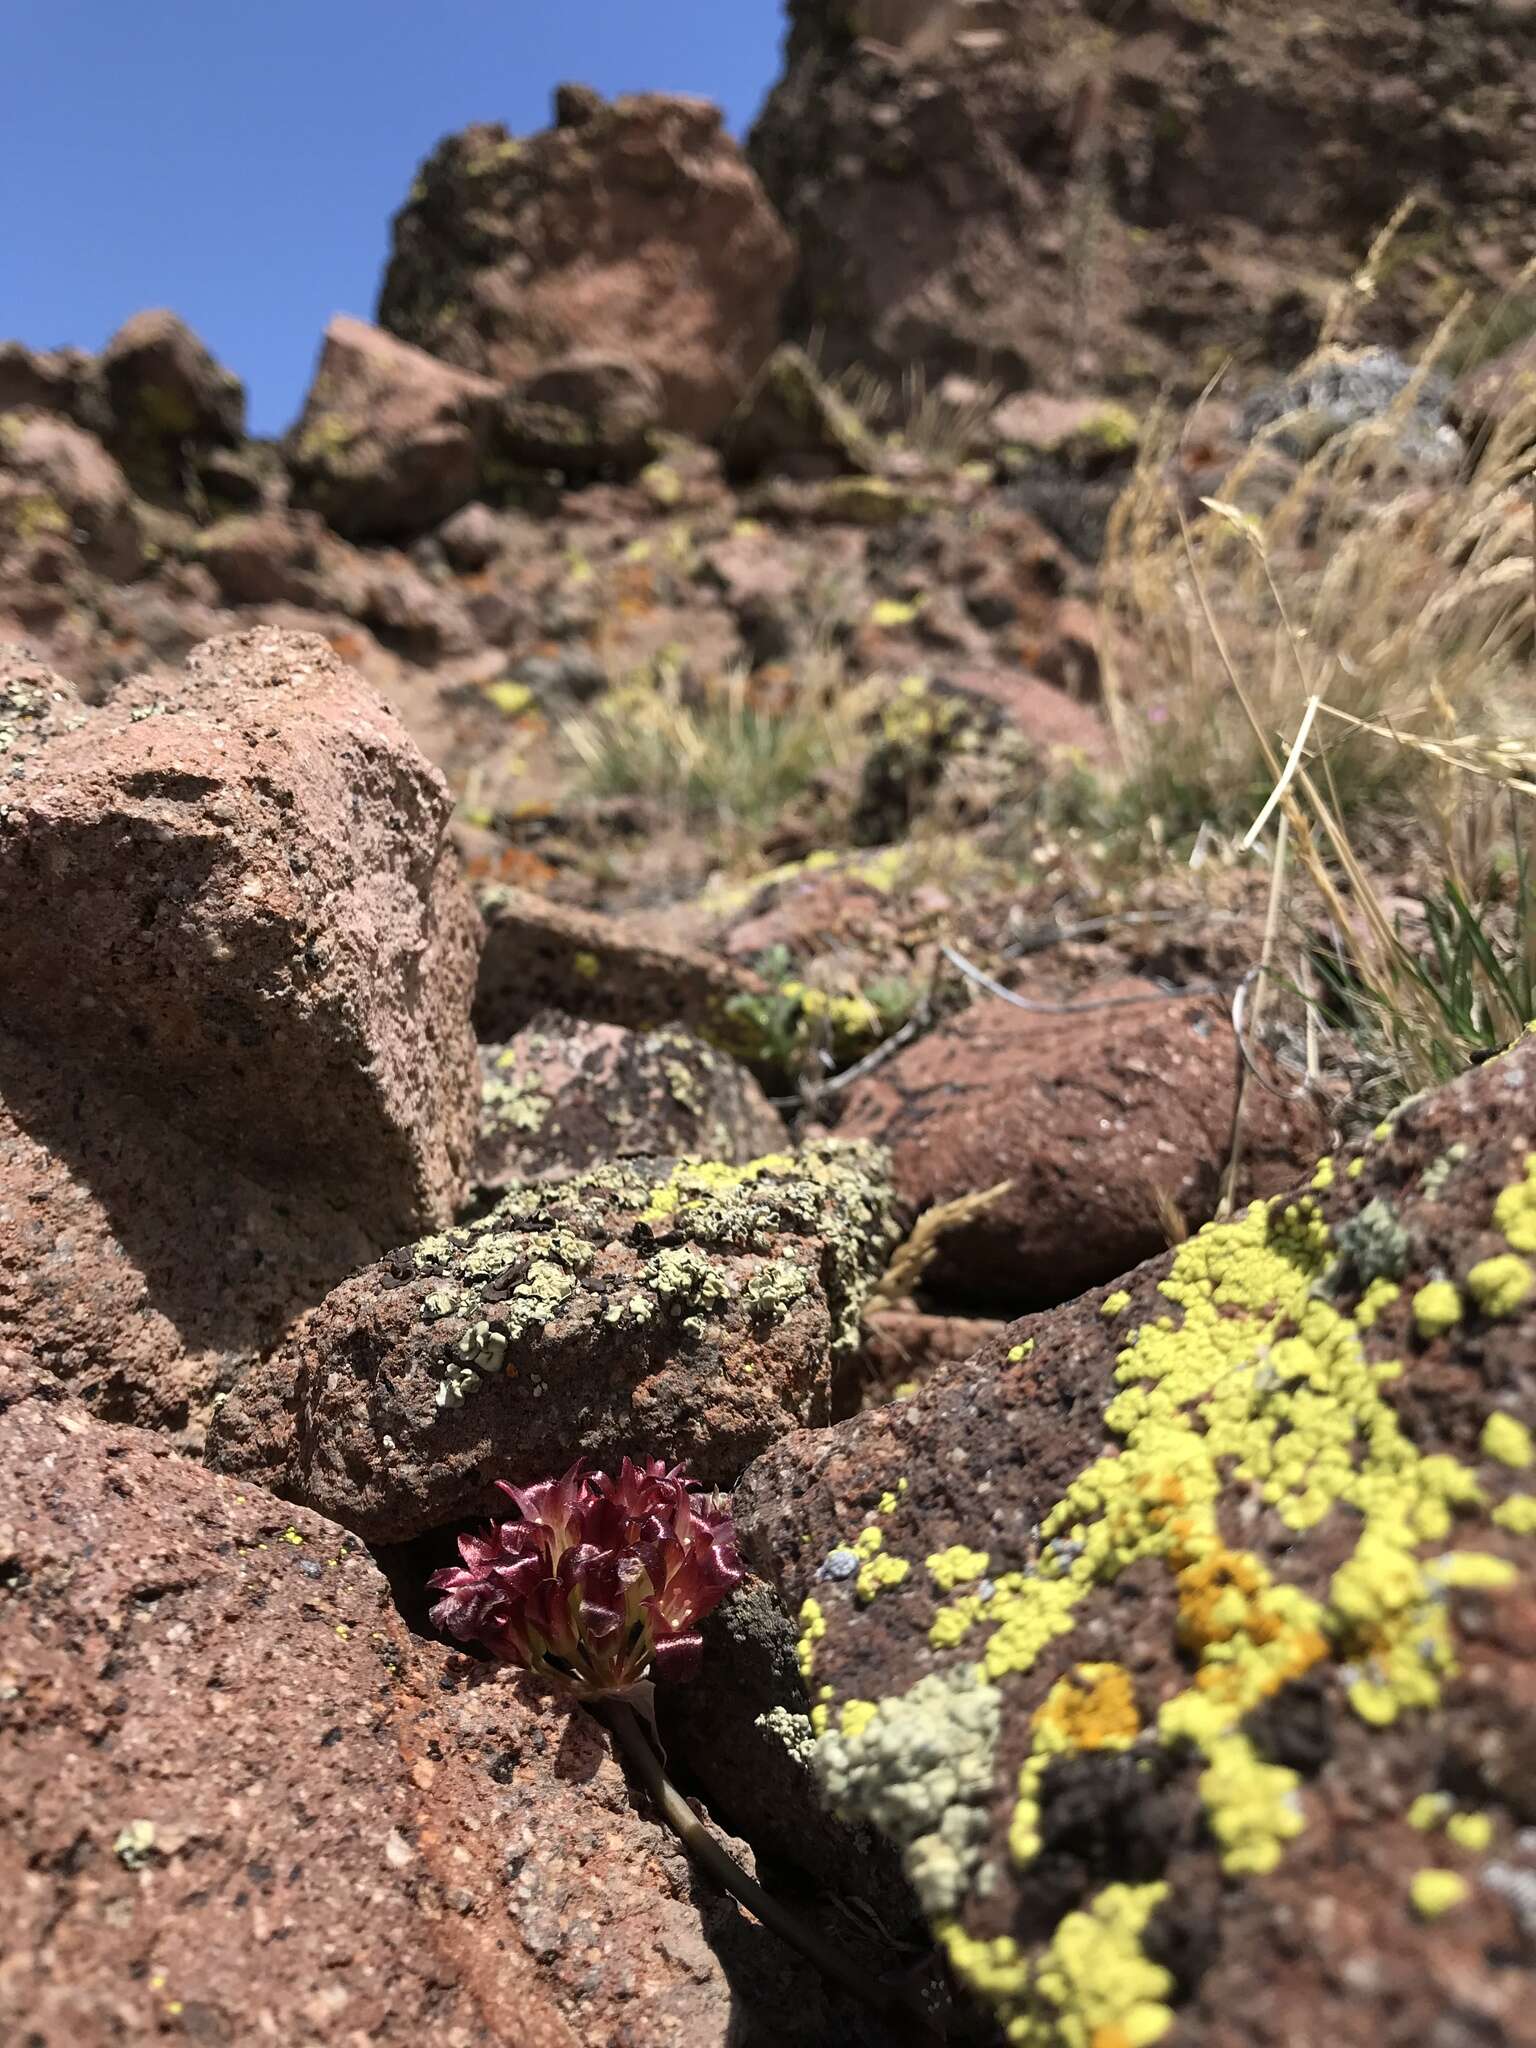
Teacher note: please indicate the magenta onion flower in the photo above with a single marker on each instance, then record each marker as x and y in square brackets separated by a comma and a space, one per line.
[600, 1585]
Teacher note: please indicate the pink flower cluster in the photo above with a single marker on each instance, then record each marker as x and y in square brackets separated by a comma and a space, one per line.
[600, 1585]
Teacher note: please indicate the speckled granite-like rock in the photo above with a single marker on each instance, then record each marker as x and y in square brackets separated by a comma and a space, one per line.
[674, 1311]
[1184, 1639]
[563, 1095]
[242, 1803]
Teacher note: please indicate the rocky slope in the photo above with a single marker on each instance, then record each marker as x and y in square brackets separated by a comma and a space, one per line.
[447, 1028]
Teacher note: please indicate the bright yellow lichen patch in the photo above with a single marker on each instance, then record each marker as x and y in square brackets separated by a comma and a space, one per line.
[856, 1717]
[1115, 1304]
[1434, 1892]
[1019, 1352]
[1323, 1178]
[697, 1181]
[813, 1626]
[1514, 1213]
[1470, 1831]
[957, 1566]
[1500, 1285]
[1436, 1308]
[1506, 1438]
[877, 1574]
[1093, 1987]
[1256, 1391]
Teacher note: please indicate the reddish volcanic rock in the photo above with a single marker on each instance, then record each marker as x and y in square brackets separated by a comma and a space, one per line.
[1098, 1116]
[390, 441]
[564, 1095]
[634, 229]
[241, 1803]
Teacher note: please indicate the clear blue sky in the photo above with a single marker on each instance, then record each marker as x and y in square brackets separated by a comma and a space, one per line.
[240, 162]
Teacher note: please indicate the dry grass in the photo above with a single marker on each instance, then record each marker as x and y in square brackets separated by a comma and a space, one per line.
[1399, 597]
[714, 753]
[1345, 643]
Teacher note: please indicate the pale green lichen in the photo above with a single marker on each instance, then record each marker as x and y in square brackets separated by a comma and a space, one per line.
[921, 1769]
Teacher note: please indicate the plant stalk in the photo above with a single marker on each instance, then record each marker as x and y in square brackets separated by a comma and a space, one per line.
[899, 2010]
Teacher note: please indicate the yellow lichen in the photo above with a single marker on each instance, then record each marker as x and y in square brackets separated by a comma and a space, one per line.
[1517, 1514]
[1323, 1177]
[1115, 1304]
[1355, 1168]
[1428, 1810]
[1379, 1295]
[1499, 1285]
[856, 1717]
[879, 1573]
[1091, 1987]
[1507, 1439]
[813, 1626]
[957, 1566]
[1434, 1892]
[1470, 1831]
[1019, 1352]
[1514, 1212]
[1436, 1308]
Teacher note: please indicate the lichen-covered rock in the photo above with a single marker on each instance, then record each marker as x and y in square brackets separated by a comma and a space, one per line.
[169, 403]
[1049, 192]
[680, 1311]
[563, 1095]
[540, 955]
[634, 228]
[52, 379]
[390, 441]
[1185, 1639]
[1099, 1111]
[232, 898]
[584, 414]
[59, 486]
[791, 420]
[224, 1751]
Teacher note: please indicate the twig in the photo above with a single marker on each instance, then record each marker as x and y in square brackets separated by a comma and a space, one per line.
[1006, 995]
[1244, 1064]
[718, 1862]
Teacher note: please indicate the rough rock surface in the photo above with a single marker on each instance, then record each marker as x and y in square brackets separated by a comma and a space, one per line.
[390, 440]
[169, 403]
[585, 414]
[539, 956]
[241, 1803]
[634, 228]
[235, 1054]
[1185, 1638]
[1034, 191]
[1099, 1115]
[59, 488]
[688, 1311]
[564, 1095]
[791, 420]
[233, 898]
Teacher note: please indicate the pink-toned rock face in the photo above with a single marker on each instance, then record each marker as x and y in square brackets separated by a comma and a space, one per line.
[390, 440]
[235, 1051]
[168, 400]
[1096, 1116]
[232, 899]
[241, 1803]
[635, 228]
[59, 486]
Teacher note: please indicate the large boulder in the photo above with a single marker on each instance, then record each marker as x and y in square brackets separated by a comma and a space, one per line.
[168, 402]
[1104, 1113]
[390, 441]
[1052, 191]
[634, 229]
[242, 1802]
[539, 955]
[235, 1051]
[1184, 1639]
[673, 1310]
[563, 1095]
[60, 486]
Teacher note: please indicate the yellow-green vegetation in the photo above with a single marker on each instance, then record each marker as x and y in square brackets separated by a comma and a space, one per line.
[710, 749]
[1436, 1308]
[1258, 1386]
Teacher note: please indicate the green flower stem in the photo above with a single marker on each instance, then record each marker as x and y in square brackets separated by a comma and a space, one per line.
[895, 2007]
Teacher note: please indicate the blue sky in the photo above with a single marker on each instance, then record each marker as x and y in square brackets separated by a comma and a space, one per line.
[240, 163]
